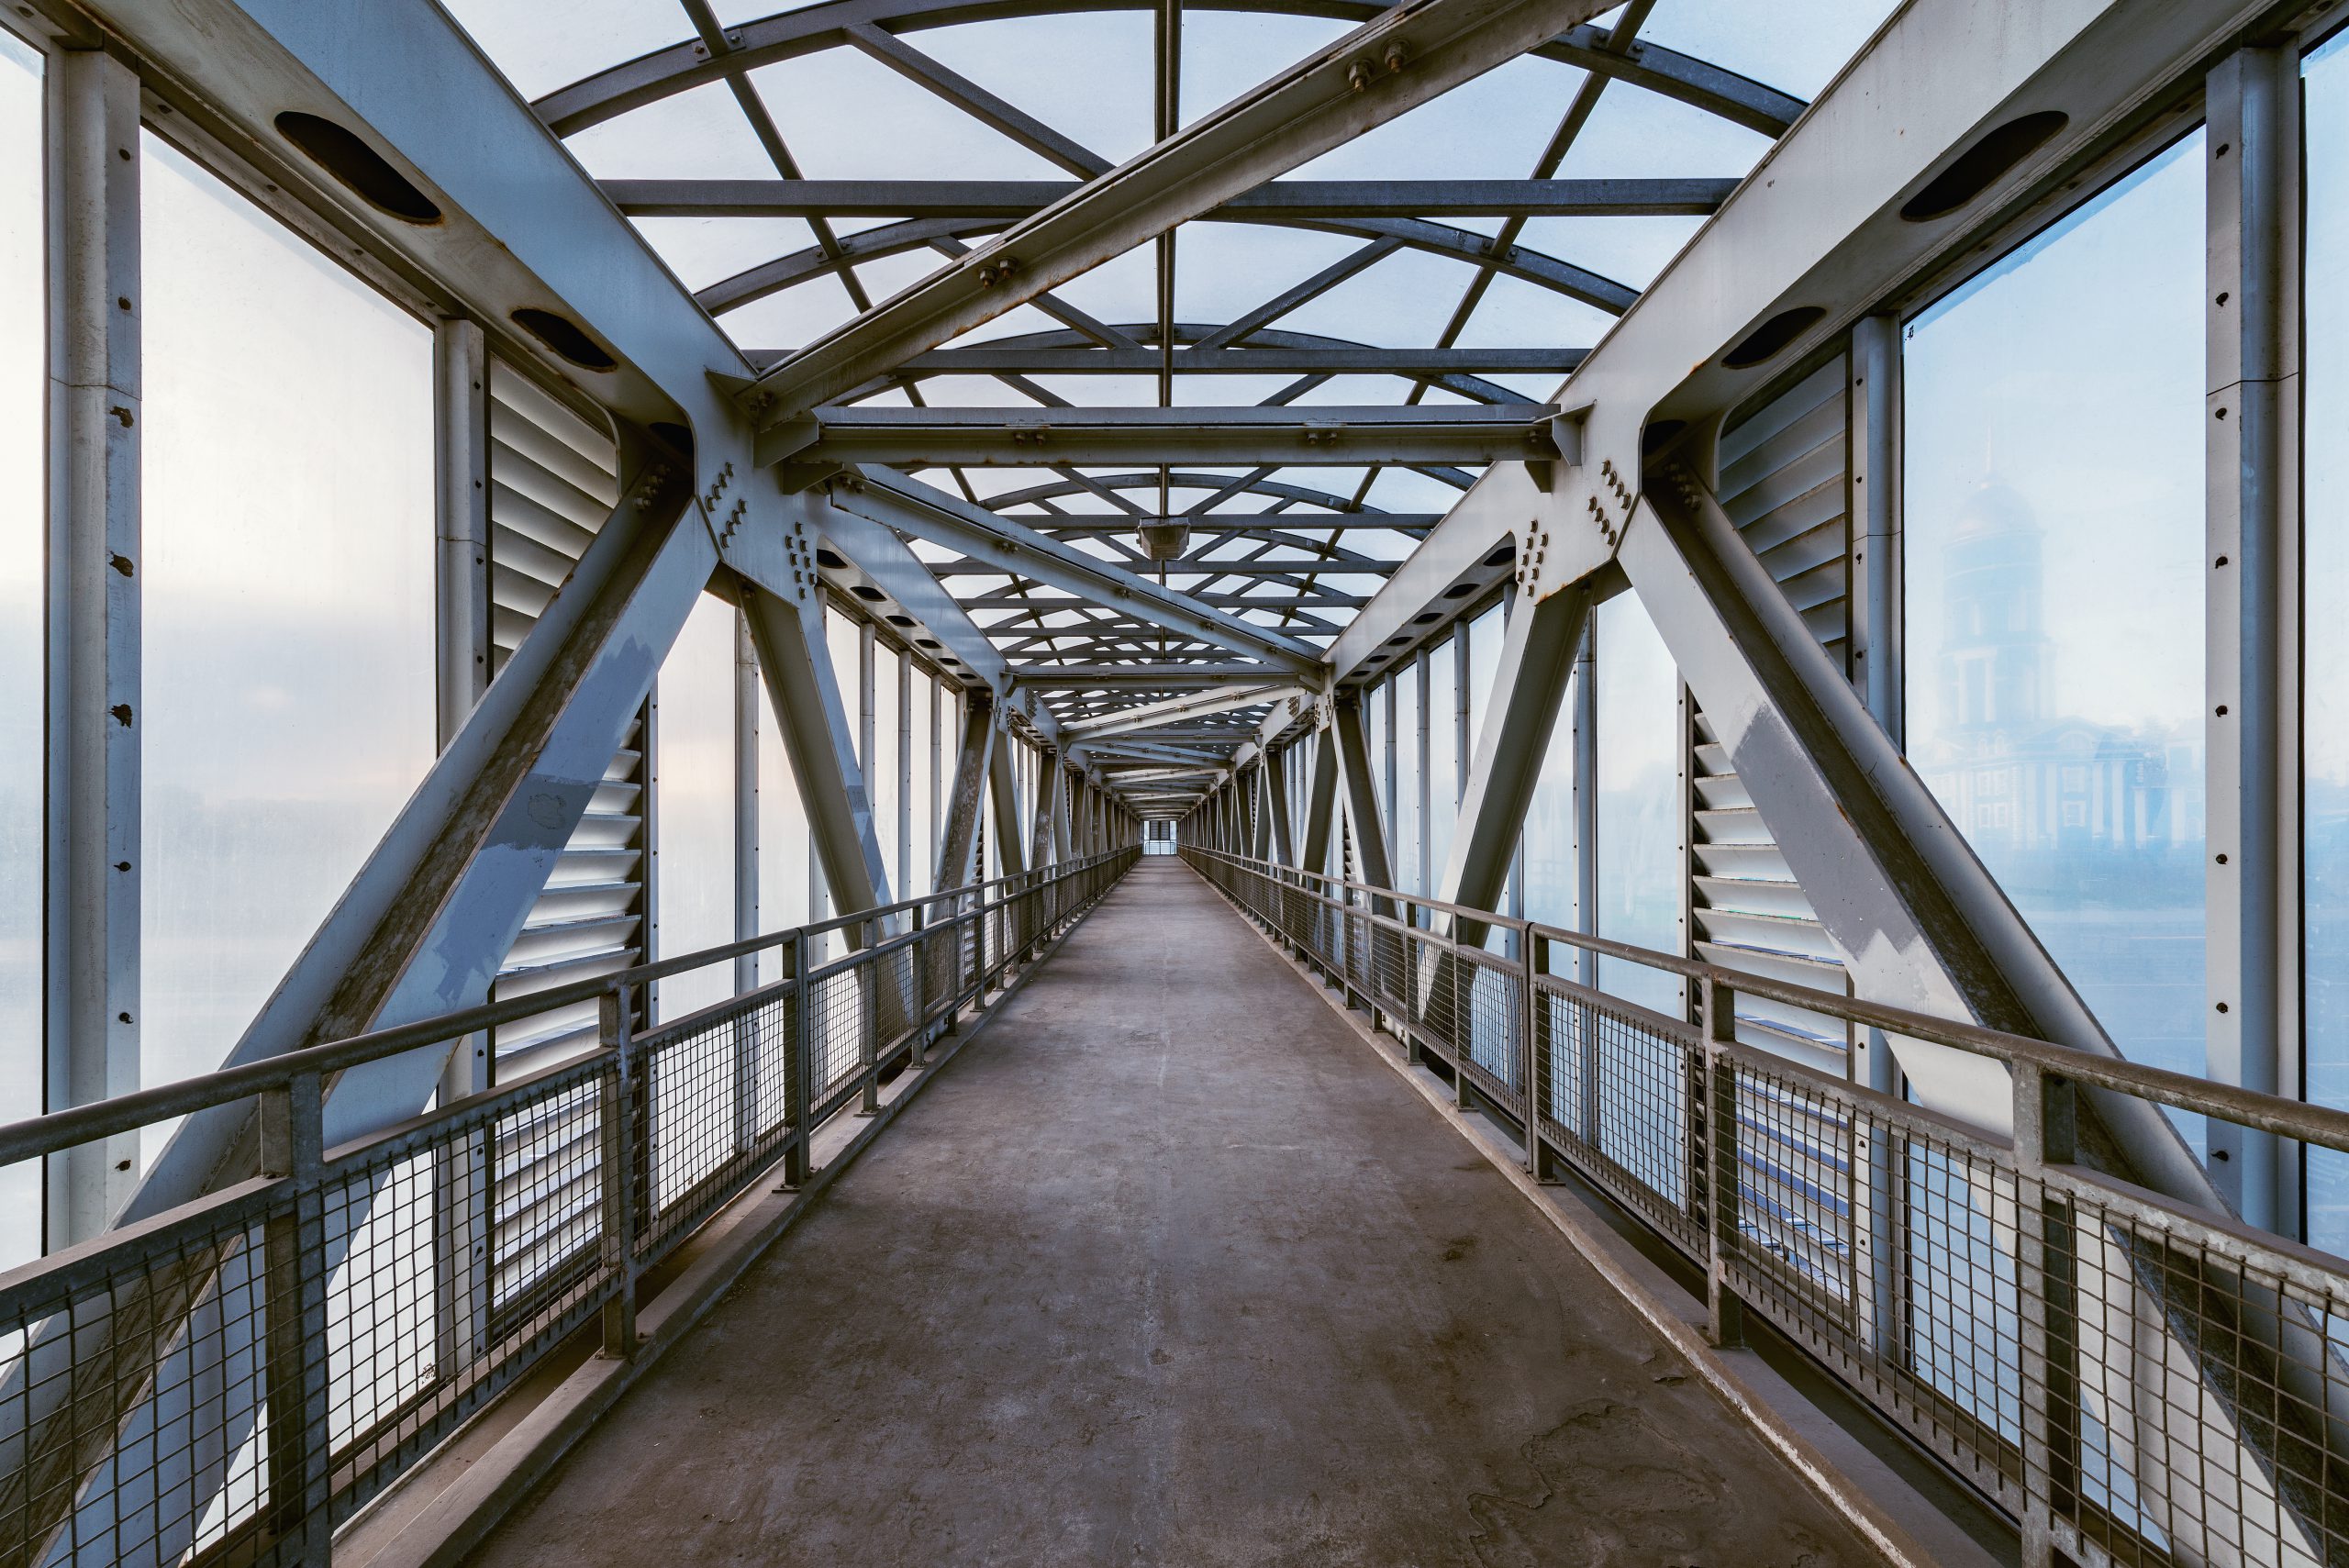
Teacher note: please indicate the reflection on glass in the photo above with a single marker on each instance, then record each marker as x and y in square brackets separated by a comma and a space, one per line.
[1374, 706]
[693, 792]
[2324, 722]
[23, 379]
[2055, 513]
[288, 591]
[1443, 758]
[1639, 833]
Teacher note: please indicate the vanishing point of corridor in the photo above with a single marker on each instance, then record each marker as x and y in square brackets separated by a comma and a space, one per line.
[1167, 1268]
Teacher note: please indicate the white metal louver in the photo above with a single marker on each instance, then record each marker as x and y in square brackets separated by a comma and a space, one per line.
[554, 481]
[1785, 474]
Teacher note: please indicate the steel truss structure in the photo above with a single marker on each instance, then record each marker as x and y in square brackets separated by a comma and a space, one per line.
[1200, 612]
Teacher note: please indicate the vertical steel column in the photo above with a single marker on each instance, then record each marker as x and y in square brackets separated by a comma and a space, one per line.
[94, 854]
[1879, 672]
[937, 771]
[617, 1173]
[2252, 159]
[864, 700]
[746, 800]
[461, 1174]
[905, 868]
[1716, 1157]
[1003, 792]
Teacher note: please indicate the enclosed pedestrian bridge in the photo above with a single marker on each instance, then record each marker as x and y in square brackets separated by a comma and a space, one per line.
[1174, 782]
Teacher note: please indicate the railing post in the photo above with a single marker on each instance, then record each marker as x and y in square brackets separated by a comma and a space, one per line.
[624, 1141]
[1718, 1103]
[919, 963]
[301, 1456]
[870, 997]
[2046, 1261]
[799, 1060]
[1462, 1027]
[1533, 1018]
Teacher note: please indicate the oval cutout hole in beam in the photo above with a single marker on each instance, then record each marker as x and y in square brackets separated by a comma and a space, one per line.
[565, 337]
[1983, 164]
[364, 171]
[1770, 340]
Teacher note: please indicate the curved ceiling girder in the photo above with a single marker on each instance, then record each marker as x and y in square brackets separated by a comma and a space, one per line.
[1463, 245]
[1189, 332]
[1182, 480]
[689, 63]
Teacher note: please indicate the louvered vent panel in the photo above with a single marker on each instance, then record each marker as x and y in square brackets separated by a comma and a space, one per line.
[1783, 483]
[1785, 474]
[554, 481]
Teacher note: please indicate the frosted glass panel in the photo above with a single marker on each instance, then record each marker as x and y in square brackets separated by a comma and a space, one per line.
[287, 473]
[2055, 593]
[782, 839]
[2324, 723]
[1550, 831]
[929, 721]
[881, 773]
[23, 375]
[1405, 811]
[1443, 758]
[693, 793]
[1639, 832]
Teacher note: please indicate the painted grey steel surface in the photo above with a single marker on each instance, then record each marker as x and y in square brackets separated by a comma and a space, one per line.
[93, 857]
[855, 435]
[1402, 58]
[1282, 198]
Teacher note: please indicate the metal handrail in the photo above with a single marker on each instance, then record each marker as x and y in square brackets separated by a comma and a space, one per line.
[56, 1130]
[2295, 1120]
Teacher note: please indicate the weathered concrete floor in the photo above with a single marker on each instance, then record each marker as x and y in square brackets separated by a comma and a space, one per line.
[1167, 1270]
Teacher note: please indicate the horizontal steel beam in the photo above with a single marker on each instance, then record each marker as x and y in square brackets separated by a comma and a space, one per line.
[943, 438]
[1417, 362]
[1176, 710]
[1379, 71]
[1281, 199]
[1142, 677]
[1080, 525]
[916, 508]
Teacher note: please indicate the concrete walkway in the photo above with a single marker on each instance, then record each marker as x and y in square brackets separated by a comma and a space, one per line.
[1166, 1268]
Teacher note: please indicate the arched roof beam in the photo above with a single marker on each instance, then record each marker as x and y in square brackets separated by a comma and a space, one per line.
[1464, 244]
[689, 63]
[1182, 479]
[1269, 351]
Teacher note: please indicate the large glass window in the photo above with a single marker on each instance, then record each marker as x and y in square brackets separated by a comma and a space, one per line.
[693, 793]
[2325, 725]
[2053, 495]
[23, 381]
[1638, 829]
[287, 599]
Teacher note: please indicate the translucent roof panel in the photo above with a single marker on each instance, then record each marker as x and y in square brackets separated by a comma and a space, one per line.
[880, 146]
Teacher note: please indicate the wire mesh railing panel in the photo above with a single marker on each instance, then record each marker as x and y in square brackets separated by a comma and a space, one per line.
[229, 1380]
[2135, 1380]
